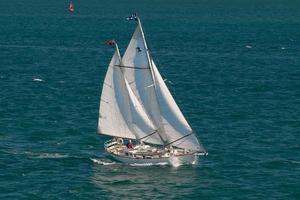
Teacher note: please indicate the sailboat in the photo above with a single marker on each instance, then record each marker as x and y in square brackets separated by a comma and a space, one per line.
[138, 111]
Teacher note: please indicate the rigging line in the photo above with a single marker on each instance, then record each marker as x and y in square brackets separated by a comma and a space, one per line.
[131, 82]
[148, 135]
[179, 139]
[99, 132]
[131, 67]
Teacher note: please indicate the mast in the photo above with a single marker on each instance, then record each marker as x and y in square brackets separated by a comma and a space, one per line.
[147, 50]
[161, 127]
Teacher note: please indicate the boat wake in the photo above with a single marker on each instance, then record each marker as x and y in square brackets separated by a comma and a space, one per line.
[148, 164]
[102, 162]
[42, 155]
[50, 155]
[175, 162]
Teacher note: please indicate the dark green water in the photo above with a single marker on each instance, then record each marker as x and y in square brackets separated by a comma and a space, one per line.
[233, 67]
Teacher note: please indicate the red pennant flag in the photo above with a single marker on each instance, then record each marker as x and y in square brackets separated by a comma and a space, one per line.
[71, 7]
[110, 42]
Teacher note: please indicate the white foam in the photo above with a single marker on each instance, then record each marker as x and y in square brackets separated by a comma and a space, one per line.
[175, 162]
[295, 161]
[248, 46]
[38, 80]
[101, 162]
[195, 161]
[148, 164]
[39, 155]
[141, 164]
[162, 163]
[51, 155]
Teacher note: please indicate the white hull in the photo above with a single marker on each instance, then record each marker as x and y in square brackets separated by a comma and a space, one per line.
[141, 156]
[173, 160]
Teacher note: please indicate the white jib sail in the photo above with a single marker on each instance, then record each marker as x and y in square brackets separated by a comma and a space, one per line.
[175, 125]
[137, 72]
[141, 123]
[114, 113]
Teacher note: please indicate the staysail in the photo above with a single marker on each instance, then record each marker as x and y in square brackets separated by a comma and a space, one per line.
[121, 114]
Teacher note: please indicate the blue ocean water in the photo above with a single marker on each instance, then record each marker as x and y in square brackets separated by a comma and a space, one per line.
[233, 67]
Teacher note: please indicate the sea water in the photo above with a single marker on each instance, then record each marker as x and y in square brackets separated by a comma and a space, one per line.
[233, 67]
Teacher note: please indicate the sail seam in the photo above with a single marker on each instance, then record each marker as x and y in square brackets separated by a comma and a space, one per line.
[131, 67]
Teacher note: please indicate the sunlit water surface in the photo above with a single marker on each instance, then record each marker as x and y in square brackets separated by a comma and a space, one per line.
[233, 67]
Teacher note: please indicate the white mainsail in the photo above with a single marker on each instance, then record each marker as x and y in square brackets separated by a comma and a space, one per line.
[114, 113]
[137, 72]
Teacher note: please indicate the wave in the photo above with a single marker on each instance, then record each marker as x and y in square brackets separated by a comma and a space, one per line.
[38, 80]
[52, 155]
[102, 162]
[148, 164]
[40, 155]
[295, 161]
[175, 162]
[41, 47]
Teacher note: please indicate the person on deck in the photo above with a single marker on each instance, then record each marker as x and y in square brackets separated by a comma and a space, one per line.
[129, 145]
